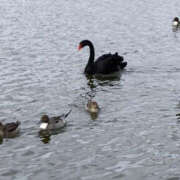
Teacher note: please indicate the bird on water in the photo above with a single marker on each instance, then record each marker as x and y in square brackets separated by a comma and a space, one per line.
[176, 22]
[9, 130]
[53, 123]
[105, 64]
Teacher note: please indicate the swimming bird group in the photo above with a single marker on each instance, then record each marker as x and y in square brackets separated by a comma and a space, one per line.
[106, 64]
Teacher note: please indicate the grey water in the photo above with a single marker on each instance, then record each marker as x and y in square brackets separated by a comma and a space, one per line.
[136, 134]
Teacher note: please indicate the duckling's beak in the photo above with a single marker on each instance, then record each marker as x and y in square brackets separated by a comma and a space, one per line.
[43, 126]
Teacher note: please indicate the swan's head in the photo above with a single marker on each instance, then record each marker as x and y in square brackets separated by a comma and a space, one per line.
[84, 43]
[44, 122]
[92, 107]
[176, 21]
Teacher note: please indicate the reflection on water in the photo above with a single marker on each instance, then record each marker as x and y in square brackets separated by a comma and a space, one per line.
[175, 29]
[45, 135]
[102, 80]
[94, 116]
[90, 82]
[94, 82]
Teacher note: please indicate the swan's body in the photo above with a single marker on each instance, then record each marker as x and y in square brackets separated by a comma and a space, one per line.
[53, 123]
[176, 22]
[105, 64]
[9, 130]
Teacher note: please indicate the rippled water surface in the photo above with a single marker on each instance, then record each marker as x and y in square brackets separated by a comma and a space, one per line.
[136, 135]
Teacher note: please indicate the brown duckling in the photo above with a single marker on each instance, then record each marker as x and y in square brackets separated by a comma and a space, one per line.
[9, 130]
[53, 123]
[92, 107]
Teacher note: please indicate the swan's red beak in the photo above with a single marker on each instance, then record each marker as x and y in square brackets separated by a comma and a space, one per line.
[79, 47]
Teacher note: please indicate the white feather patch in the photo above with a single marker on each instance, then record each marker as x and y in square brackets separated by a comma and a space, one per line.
[43, 126]
[175, 23]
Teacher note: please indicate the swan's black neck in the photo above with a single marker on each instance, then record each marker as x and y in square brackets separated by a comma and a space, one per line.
[90, 65]
[92, 53]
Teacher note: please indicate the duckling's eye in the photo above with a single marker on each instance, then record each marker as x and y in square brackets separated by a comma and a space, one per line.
[57, 121]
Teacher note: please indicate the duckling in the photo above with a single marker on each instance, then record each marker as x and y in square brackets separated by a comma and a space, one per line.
[92, 107]
[53, 123]
[9, 130]
[176, 22]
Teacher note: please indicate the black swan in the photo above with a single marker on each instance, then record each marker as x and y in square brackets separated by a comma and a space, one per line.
[105, 64]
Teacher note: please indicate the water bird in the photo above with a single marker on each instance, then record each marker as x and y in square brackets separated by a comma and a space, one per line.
[178, 115]
[105, 64]
[92, 107]
[53, 123]
[176, 22]
[9, 130]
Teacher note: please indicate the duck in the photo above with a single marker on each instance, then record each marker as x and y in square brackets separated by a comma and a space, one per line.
[92, 107]
[176, 22]
[53, 123]
[9, 130]
[105, 64]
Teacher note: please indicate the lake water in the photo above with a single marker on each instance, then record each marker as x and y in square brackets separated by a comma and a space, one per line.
[137, 133]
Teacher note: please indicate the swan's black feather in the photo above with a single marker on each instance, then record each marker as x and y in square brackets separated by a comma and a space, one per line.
[109, 63]
[105, 64]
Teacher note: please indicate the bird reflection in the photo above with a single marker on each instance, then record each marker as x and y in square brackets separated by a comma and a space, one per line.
[99, 80]
[175, 29]
[94, 116]
[45, 135]
[90, 82]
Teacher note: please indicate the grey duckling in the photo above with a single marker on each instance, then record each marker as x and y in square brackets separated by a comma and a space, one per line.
[53, 123]
[9, 130]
